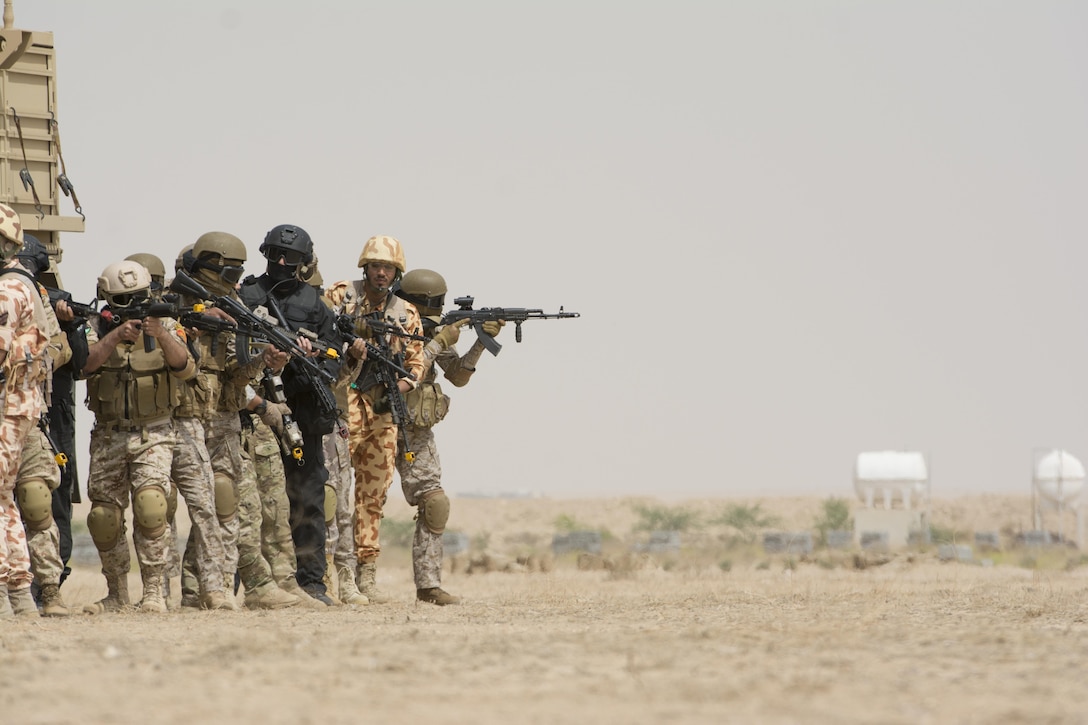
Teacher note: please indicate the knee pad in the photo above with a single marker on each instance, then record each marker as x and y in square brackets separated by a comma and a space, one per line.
[435, 510]
[104, 525]
[149, 511]
[36, 503]
[330, 504]
[171, 502]
[226, 502]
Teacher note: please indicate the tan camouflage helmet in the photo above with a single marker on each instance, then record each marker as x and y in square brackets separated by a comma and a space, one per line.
[121, 280]
[11, 232]
[153, 264]
[310, 274]
[383, 249]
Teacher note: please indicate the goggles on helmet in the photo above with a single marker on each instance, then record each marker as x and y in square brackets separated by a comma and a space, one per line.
[291, 257]
[126, 299]
[229, 273]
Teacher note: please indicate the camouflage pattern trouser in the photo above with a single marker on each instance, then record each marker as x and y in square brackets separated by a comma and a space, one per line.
[230, 459]
[339, 540]
[373, 443]
[208, 550]
[417, 478]
[14, 556]
[122, 463]
[277, 546]
[44, 546]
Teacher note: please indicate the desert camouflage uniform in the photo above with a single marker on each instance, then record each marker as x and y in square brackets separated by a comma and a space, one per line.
[230, 457]
[38, 462]
[340, 539]
[372, 437]
[44, 546]
[209, 551]
[266, 466]
[222, 397]
[23, 336]
[122, 463]
[427, 405]
[128, 455]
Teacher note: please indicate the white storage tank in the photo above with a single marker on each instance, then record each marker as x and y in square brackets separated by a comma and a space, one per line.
[1059, 477]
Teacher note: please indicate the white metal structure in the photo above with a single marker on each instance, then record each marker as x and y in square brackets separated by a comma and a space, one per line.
[892, 476]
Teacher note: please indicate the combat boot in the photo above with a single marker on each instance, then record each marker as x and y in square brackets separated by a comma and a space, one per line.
[218, 600]
[22, 602]
[367, 575]
[315, 593]
[270, 596]
[116, 597]
[290, 585]
[349, 590]
[329, 581]
[152, 600]
[6, 611]
[52, 602]
[436, 595]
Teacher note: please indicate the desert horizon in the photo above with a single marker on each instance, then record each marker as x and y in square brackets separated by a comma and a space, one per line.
[738, 635]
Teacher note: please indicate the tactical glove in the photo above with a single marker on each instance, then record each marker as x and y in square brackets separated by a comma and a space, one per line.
[448, 336]
[273, 416]
[492, 327]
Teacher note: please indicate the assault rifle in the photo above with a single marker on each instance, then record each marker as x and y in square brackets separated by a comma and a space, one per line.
[149, 308]
[517, 315]
[207, 323]
[382, 327]
[383, 364]
[79, 310]
[251, 326]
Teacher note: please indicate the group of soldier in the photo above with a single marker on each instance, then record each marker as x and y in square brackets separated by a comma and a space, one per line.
[277, 409]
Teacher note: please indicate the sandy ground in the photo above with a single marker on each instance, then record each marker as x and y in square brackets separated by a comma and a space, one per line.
[768, 640]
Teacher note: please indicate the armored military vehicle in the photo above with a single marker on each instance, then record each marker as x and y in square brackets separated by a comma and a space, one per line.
[33, 178]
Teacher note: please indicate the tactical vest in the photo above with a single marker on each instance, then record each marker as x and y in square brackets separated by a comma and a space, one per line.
[395, 309]
[199, 397]
[133, 387]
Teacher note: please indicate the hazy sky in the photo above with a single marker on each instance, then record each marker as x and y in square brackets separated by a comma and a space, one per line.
[795, 230]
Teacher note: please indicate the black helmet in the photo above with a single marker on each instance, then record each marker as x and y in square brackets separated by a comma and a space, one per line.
[33, 255]
[290, 242]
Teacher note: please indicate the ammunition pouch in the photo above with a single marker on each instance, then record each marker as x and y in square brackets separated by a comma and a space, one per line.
[426, 404]
[134, 387]
[379, 403]
[199, 396]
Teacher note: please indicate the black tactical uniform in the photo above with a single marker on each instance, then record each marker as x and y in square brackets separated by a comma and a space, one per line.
[302, 307]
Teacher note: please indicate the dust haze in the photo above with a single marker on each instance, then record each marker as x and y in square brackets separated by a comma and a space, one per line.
[794, 231]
